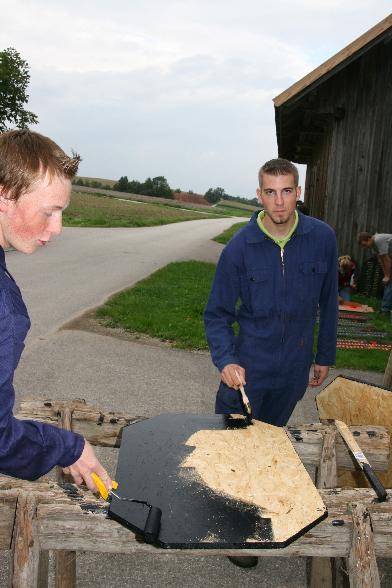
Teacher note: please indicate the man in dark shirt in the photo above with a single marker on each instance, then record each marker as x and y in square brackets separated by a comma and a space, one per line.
[35, 187]
[271, 279]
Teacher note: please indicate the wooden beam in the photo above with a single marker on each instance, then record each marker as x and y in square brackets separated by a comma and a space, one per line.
[375, 441]
[65, 574]
[68, 526]
[363, 570]
[29, 565]
[73, 519]
[322, 568]
[387, 381]
[105, 429]
[102, 428]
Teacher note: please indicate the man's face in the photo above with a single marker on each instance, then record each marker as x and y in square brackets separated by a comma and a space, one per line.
[30, 221]
[278, 195]
[368, 244]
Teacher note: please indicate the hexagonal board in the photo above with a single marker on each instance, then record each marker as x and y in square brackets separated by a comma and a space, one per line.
[218, 482]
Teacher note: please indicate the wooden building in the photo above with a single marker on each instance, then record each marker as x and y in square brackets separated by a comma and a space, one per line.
[338, 121]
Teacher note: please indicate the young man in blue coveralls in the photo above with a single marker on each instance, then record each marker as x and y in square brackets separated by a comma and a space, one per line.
[35, 187]
[271, 279]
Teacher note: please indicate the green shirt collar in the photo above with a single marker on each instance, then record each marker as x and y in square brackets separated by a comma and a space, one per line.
[282, 241]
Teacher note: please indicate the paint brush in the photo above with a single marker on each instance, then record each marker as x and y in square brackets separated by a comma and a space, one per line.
[245, 400]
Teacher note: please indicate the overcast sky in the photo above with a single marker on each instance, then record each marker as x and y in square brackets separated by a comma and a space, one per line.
[176, 88]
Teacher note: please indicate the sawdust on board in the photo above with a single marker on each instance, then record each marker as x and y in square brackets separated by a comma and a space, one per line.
[259, 466]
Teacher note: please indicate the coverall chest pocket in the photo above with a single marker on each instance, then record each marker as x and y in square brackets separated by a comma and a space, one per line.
[259, 281]
[312, 274]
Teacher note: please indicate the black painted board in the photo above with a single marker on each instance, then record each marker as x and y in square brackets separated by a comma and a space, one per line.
[193, 515]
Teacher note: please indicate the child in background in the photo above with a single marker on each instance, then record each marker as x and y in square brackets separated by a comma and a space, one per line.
[347, 274]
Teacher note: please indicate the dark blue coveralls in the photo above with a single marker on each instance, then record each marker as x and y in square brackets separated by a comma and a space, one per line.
[28, 449]
[274, 298]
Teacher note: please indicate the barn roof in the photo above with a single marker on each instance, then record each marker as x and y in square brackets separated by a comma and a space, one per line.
[335, 63]
[290, 104]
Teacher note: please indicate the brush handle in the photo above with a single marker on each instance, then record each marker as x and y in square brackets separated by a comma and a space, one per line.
[245, 399]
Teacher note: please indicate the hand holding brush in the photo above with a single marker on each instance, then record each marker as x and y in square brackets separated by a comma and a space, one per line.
[245, 400]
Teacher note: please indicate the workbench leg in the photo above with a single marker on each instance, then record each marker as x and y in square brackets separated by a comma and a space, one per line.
[65, 566]
[65, 569]
[363, 570]
[322, 569]
[29, 565]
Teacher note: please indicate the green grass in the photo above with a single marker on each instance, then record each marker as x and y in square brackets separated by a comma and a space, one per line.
[236, 205]
[228, 234]
[233, 211]
[168, 305]
[90, 210]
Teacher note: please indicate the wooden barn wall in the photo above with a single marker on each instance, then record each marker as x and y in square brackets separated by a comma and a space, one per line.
[349, 182]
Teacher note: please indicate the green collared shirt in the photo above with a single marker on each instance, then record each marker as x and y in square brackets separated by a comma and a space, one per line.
[281, 242]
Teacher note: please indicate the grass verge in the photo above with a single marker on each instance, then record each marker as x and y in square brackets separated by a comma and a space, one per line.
[232, 211]
[89, 210]
[228, 234]
[169, 305]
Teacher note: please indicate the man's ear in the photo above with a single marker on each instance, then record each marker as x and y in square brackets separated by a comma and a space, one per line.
[298, 190]
[258, 195]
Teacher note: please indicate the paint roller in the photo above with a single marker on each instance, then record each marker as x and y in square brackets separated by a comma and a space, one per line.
[153, 521]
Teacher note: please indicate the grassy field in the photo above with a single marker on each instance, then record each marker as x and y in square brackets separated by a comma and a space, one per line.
[232, 211]
[100, 180]
[227, 235]
[169, 305]
[235, 204]
[90, 210]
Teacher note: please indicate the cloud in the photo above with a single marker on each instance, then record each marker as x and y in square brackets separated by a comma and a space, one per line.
[177, 88]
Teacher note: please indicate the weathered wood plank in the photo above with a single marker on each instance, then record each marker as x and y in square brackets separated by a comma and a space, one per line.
[25, 563]
[387, 381]
[74, 519]
[322, 568]
[65, 574]
[374, 441]
[8, 501]
[68, 526]
[363, 570]
[104, 429]
[98, 427]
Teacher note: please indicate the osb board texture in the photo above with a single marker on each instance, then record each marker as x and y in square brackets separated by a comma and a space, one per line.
[258, 465]
[357, 403]
[219, 482]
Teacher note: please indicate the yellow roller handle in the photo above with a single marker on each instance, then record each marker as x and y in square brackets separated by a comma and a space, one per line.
[103, 491]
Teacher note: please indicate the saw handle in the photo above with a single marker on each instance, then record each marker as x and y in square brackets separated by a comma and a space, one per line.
[375, 482]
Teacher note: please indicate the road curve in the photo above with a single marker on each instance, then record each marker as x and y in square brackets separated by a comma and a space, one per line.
[81, 268]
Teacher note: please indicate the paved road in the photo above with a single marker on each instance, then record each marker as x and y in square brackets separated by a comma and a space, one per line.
[78, 271]
[82, 267]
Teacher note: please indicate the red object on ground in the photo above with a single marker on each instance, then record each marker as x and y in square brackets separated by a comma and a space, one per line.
[362, 344]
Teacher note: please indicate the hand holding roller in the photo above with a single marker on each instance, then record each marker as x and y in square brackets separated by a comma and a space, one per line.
[153, 522]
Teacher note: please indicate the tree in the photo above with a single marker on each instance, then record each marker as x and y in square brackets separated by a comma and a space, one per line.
[122, 184]
[213, 195]
[14, 79]
[157, 186]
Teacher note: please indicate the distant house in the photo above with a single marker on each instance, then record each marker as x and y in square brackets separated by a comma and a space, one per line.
[191, 197]
[338, 121]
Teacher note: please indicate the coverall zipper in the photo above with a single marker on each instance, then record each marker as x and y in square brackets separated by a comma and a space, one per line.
[282, 259]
